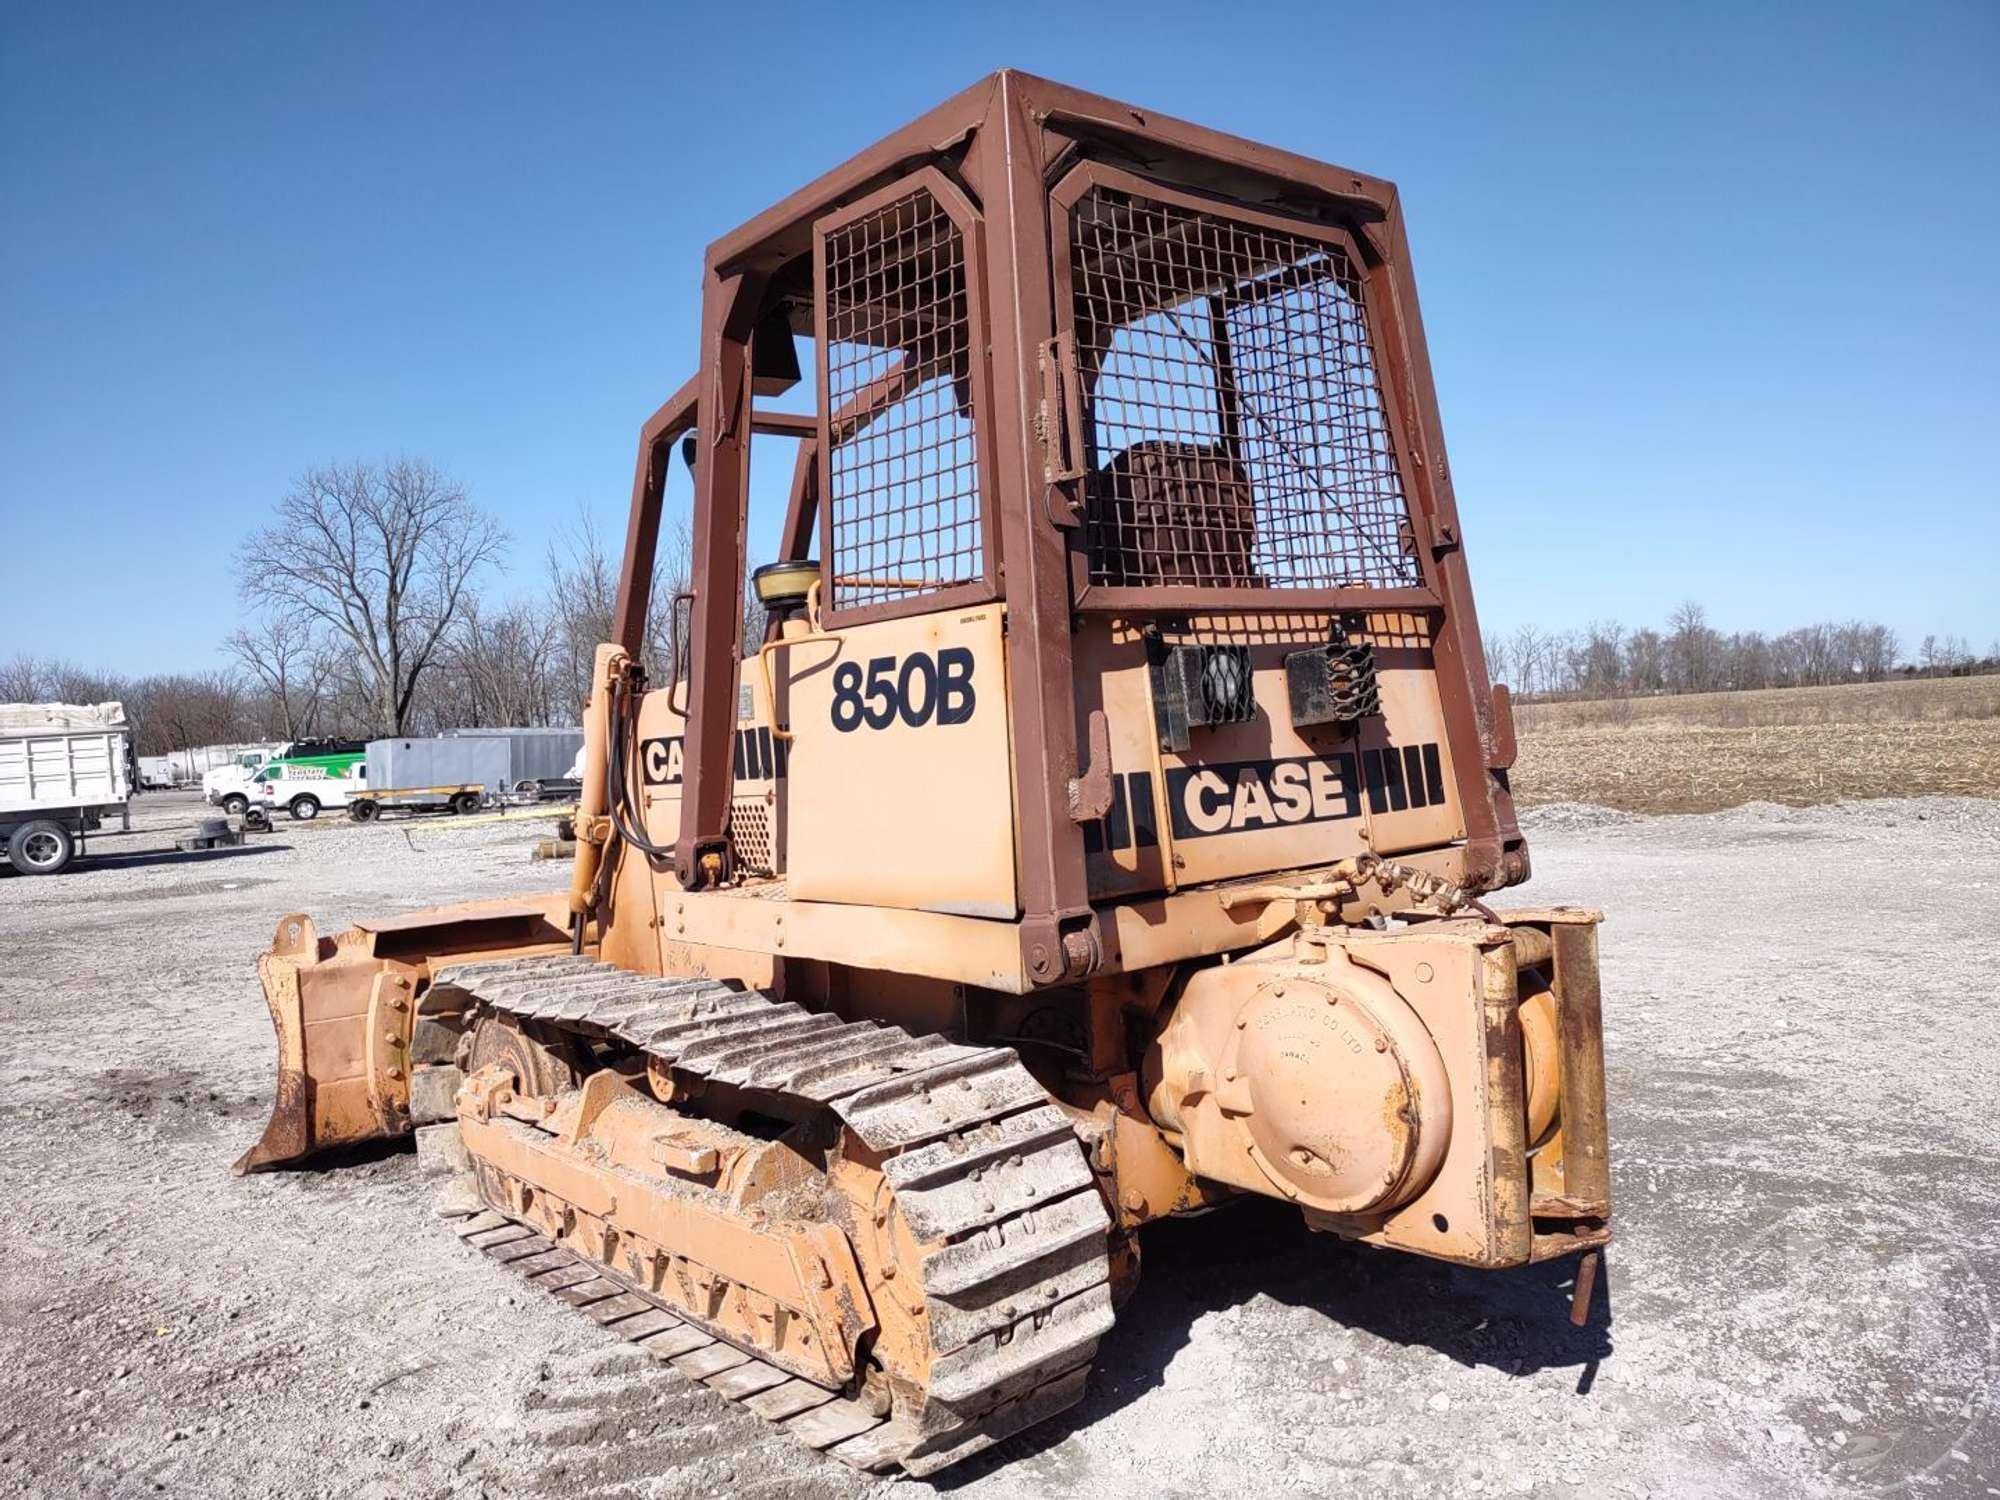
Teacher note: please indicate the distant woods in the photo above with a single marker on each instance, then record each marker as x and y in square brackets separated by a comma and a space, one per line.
[373, 604]
[1688, 655]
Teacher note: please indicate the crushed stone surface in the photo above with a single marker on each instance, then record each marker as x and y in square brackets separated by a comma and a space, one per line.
[1802, 1024]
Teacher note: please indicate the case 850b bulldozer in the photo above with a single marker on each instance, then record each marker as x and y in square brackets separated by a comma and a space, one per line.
[1097, 832]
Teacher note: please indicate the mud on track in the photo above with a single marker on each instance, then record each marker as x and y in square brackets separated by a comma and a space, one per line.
[1803, 1033]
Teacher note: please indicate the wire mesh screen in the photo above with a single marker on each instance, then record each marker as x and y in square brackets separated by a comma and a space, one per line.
[902, 467]
[1235, 425]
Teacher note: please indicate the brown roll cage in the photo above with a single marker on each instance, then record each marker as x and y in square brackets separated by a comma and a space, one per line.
[1010, 154]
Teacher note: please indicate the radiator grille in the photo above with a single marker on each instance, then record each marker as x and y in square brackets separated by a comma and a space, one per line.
[902, 471]
[1234, 422]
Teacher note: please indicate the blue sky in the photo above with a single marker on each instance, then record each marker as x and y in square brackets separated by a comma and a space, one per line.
[1711, 290]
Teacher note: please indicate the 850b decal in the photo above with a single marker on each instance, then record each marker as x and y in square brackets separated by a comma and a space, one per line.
[921, 689]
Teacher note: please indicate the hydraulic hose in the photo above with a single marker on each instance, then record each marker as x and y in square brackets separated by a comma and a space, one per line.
[626, 826]
[624, 818]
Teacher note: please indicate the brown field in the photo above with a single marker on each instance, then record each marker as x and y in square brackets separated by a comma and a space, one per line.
[1799, 746]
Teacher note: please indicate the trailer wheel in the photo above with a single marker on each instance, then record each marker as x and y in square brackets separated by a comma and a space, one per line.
[464, 803]
[305, 808]
[236, 804]
[41, 848]
[362, 812]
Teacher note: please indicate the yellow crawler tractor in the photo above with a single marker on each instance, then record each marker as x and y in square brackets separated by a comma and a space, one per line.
[1097, 832]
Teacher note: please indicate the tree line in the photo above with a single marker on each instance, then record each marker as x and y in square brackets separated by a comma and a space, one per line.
[370, 610]
[1688, 655]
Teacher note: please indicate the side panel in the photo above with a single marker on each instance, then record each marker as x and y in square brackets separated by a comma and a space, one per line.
[647, 930]
[58, 770]
[759, 771]
[333, 780]
[1237, 407]
[899, 769]
[1265, 795]
[439, 761]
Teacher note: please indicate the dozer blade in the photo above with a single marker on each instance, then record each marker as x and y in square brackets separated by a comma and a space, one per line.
[354, 1063]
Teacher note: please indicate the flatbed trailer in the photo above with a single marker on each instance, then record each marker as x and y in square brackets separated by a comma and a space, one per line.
[455, 797]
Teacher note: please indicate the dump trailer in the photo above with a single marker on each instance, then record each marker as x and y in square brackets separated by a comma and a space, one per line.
[1101, 830]
[64, 768]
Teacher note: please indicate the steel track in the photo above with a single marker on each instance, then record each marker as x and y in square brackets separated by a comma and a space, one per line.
[984, 1167]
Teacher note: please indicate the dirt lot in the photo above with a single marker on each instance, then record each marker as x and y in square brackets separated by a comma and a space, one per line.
[1801, 1025]
[1800, 746]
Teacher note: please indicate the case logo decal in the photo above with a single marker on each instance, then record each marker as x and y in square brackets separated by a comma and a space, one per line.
[1249, 796]
[758, 757]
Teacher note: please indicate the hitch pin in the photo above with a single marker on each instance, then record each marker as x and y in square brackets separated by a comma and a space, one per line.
[1586, 1283]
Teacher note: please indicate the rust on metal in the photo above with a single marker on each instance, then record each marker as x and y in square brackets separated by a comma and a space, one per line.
[1021, 885]
[1586, 1283]
[345, 1070]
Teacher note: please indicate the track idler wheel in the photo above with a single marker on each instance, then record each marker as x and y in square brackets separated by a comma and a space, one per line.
[543, 1062]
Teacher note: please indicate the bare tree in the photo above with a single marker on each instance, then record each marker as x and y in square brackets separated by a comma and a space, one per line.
[19, 678]
[582, 593]
[1747, 661]
[1645, 661]
[181, 711]
[59, 681]
[1603, 660]
[502, 669]
[1530, 650]
[1875, 650]
[1598, 662]
[1562, 663]
[286, 656]
[383, 557]
[1941, 655]
[673, 569]
[1820, 650]
[1693, 649]
[50, 679]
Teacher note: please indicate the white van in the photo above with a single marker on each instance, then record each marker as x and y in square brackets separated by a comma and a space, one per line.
[233, 788]
[302, 788]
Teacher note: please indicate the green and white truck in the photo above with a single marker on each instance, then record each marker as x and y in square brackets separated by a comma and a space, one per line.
[304, 784]
[228, 786]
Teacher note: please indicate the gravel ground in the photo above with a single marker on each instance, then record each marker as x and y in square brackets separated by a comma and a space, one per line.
[1801, 1026]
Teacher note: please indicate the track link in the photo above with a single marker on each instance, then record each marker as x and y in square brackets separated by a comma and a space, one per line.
[982, 1164]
